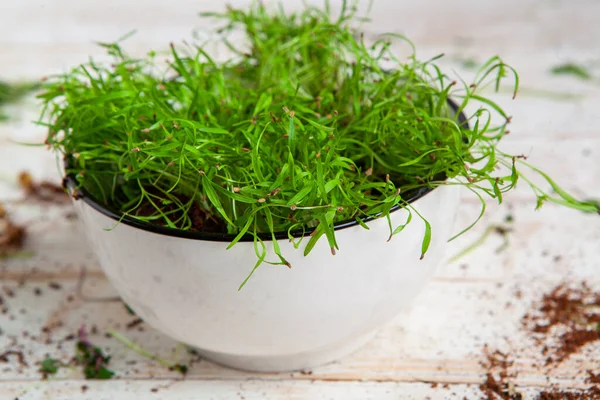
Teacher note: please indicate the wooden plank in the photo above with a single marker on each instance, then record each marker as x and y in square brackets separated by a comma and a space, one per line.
[237, 390]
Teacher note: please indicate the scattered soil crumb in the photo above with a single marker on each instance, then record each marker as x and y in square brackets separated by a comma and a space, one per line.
[4, 357]
[134, 323]
[84, 389]
[44, 191]
[593, 393]
[565, 320]
[12, 236]
[592, 378]
[499, 380]
[518, 294]
[54, 286]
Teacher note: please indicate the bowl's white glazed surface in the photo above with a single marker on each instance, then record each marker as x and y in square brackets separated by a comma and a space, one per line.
[283, 319]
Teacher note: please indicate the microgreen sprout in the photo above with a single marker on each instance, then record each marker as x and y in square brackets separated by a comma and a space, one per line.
[12, 93]
[572, 69]
[173, 366]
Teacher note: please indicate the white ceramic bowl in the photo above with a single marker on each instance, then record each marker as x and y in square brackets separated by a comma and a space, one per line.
[322, 308]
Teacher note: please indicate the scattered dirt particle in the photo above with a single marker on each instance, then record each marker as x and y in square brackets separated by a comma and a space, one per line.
[37, 291]
[134, 323]
[518, 294]
[564, 321]
[4, 357]
[12, 236]
[498, 382]
[592, 378]
[592, 393]
[570, 343]
[44, 191]
[490, 387]
[54, 286]
[84, 388]
[561, 323]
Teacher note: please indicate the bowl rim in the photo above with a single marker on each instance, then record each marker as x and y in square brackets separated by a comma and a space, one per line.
[80, 193]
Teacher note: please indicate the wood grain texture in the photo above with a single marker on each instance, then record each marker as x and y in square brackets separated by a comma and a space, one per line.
[237, 390]
[439, 340]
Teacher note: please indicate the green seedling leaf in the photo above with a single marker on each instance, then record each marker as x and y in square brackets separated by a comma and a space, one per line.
[571, 69]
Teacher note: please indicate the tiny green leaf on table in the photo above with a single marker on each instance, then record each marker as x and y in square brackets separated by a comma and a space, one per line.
[49, 366]
[181, 368]
[12, 93]
[94, 361]
[572, 69]
[92, 358]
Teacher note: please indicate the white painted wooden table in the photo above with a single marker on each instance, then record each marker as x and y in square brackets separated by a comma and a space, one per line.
[469, 303]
